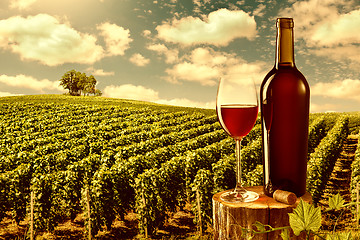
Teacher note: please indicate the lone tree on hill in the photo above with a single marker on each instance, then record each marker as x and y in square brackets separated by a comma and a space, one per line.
[77, 83]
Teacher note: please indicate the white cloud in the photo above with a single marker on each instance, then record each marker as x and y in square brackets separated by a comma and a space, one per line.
[201, 2]
[259, 11]
[132, 92]
[117, 38]
[341, 30]
[129, 91]
[30, 83]
[99, 72]
[206, 56]
[219, 28]
[43, 38]
[7, 94]
[247, 72]
[341, 53]
[183, 102]
[346, 89]
[204, 74]
[329, 26]
[325, 107]
[316, 12]
[206, 66]
[139, 60]
[171, 55]
[146, 33]
[157, 48]
[21, 4]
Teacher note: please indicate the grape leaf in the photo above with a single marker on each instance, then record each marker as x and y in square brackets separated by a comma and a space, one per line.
[305, 218]
[285, 234]
[260, 227]
[336, 202]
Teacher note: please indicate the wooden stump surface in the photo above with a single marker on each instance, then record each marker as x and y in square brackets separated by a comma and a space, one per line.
[228, 217]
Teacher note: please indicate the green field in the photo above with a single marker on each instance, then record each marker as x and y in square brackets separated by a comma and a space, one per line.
[121, 156]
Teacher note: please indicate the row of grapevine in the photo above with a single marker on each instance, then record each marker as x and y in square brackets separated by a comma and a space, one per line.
[322, 160]
[146, 146]
[355, 178]
[317, 131]
[221, 176]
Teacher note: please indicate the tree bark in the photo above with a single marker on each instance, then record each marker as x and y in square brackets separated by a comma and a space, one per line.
[230, 218]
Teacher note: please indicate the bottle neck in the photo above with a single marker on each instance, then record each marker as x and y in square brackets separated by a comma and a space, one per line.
[285, 43]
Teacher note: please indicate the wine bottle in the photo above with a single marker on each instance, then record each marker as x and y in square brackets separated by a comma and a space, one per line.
[284, 99]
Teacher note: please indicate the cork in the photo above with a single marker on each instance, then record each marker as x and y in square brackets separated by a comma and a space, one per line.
[285, 197]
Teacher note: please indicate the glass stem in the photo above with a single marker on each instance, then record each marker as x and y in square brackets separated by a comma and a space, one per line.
[239, 187]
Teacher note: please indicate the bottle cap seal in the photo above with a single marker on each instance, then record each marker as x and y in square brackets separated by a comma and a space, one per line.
[284, 23]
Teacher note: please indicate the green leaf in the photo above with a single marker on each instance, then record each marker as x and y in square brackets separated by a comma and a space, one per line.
[336, 202]
[260, 227]
[339, 236]
[305, 218]
[285, 234]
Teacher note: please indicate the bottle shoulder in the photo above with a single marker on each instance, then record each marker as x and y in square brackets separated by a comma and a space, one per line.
[284, 81]
[283, 73]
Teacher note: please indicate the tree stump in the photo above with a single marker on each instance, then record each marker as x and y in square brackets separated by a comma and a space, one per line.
[228, 218]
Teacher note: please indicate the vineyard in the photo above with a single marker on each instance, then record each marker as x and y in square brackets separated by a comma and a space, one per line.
[103, 159]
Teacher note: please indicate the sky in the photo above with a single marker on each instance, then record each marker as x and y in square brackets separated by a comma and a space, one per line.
[175, 51]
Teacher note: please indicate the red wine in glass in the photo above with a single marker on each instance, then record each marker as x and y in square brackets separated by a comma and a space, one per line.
[237, 110]
[237, 119]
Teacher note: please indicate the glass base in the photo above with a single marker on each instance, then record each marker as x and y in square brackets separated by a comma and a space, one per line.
[233, 196]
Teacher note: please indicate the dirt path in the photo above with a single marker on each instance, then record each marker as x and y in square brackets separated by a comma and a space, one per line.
[339, 182]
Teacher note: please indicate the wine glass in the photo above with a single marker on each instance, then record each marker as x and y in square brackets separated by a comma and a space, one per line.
[237, 110]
